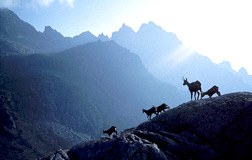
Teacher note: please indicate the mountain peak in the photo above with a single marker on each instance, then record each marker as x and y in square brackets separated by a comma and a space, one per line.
[126, 28]
[226, 65]
[102, 37]
[84, 37]
[243, 71]
[124, 34]
[149, 27]
[52, 33]
[152, 29]
[85, 34]
[12, 25]
[49, 29]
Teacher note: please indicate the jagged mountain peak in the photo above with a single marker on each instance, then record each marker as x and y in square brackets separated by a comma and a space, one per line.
[125, 30]
[53, 33]
[155, 30]
[150, 26]
[49, 29]
[103, 37]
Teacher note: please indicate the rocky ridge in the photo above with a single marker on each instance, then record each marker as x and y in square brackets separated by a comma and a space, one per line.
[217, 128]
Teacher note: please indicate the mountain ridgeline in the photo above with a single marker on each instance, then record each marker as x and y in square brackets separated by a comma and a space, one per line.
[15, 33]
[166, 57]
[162, 53]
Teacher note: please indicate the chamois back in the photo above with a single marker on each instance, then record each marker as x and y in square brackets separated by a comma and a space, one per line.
[211, 92]
[150, 111]
[110, 130]
[161, 108]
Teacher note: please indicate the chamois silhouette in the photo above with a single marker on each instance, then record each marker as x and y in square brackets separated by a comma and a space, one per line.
[162, 108]
[110, 130]
[152, 110]
[193, 87]
[211, 91]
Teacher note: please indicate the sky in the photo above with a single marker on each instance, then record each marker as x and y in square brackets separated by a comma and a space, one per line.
[218, 29]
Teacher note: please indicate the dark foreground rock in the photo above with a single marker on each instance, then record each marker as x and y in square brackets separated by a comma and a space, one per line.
[217, 128]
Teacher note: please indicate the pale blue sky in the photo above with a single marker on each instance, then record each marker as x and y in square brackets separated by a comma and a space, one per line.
[219, 29]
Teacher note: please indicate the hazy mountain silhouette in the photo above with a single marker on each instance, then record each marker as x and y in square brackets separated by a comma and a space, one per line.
[168, 59]
[242, 73]
[102, 37]
[58, 99]
[17, 32]
[83, 38]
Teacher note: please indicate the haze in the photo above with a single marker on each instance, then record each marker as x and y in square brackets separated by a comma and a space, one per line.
[220, 30]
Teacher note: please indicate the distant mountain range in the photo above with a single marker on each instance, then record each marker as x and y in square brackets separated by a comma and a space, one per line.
[168, 59]
[14, 30]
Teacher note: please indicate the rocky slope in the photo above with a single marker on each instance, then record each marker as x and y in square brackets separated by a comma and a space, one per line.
[217, 128]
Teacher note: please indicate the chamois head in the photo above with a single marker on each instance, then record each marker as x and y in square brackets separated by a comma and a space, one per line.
[166, 106]
[185, 81]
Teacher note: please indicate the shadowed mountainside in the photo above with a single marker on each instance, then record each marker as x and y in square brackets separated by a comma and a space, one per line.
[51, 101]
[217, 128]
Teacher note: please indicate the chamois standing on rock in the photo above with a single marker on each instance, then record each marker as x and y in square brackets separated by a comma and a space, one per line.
[110, 130]
[193, 87]
[211, 92]
[161, 108]
[151, 111]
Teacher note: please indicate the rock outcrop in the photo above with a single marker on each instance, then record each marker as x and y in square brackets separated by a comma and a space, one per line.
[217, 128]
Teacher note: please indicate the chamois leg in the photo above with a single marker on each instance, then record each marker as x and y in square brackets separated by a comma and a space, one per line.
[198, 95]
[191, 96]
[195, 95]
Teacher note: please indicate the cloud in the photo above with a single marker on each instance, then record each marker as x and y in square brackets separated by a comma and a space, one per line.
[68, 2]
[7, 3]
[43, 3]
[34, 3]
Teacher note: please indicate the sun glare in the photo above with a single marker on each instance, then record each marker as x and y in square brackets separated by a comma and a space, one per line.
[175, 58]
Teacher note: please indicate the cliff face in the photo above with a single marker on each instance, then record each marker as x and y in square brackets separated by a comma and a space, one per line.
[217, 128]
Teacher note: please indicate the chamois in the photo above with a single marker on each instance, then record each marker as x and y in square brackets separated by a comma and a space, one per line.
[110, 130]
[150, 111]
[161, 108]
[211, 92]
[193, 87]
